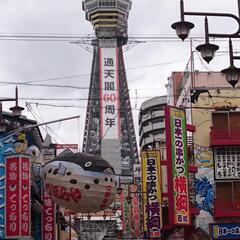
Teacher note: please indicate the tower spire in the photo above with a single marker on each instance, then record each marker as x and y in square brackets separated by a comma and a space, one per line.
[16, 110]
[109, 129]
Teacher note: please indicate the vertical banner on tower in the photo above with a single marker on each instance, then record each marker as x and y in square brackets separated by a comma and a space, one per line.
[176, 142]
[18, 217]
[109, 93]
[48, 217]
[152, 195]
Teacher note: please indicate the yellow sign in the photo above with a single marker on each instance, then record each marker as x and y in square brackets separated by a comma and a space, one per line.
[152, 193]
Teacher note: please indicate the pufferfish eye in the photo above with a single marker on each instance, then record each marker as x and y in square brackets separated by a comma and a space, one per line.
[88, 164]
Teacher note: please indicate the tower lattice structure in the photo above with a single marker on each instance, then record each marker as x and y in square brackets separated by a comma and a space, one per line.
[109, 129]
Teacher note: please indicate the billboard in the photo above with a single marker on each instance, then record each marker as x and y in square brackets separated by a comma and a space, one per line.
[178, 181]
[225, 231]
[17, 198]
[109, 93]
[152, 195]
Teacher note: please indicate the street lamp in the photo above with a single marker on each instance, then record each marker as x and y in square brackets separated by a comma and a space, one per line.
[207, 50]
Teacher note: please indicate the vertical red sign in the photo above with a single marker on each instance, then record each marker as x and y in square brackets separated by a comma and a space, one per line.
[135, 212]
[48, 218]
[12, 208]
[25, 197]
[17, 186]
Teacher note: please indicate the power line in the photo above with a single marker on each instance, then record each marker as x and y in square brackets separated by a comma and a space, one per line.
[88, 38]
[71, 106]
[138, 97]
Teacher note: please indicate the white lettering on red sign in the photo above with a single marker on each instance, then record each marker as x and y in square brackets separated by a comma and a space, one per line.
[12, 221]
[48, 218]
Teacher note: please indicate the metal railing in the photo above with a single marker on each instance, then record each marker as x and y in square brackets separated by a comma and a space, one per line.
[225, 134]
[226, 207]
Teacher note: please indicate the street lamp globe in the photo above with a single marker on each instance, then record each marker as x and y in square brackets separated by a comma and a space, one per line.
[232, 75]
[207, 51]
[182, 28]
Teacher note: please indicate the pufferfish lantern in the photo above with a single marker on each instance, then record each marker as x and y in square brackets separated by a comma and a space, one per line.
[80, 182]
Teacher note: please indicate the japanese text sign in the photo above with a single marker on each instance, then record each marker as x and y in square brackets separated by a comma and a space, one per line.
[48, 217]
[109, 93]
[25, 197]
[125, 211]
[135, 212]
[18, 217]
[227, 163]
[175, 120]
[152, 195]
[225, 231]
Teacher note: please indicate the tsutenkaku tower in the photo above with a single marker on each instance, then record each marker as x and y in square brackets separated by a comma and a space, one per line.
[109, 129]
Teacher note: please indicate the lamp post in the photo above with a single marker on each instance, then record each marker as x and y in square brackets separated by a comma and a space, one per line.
[207, 50]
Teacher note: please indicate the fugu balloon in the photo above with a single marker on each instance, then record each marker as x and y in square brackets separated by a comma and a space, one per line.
[80, 182]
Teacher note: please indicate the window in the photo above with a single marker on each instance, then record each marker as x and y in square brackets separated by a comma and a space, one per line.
[227, 163]
[228, 191]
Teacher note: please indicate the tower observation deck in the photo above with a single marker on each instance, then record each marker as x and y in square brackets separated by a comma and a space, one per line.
[109, 129]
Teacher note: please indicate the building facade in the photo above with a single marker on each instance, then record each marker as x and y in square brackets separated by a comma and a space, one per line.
[213, 108]
[151, 122]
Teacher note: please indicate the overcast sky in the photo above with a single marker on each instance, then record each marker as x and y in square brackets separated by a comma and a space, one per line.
[148, 64]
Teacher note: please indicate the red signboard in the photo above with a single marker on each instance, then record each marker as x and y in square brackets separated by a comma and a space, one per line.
[12, 221]
[135, 212]
[25, 197]
[65, 146]
[17, 220]
[48, 218]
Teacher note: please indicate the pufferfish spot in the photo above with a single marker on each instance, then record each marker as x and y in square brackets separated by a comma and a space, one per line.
[55, 172]
[73, 181]
[96, 181]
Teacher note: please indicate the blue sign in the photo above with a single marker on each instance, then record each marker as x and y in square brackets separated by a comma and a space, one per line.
[225, 231]
[6, 148]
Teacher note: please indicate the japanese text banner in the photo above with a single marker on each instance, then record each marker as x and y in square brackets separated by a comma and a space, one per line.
[18, 217]
[178, 180]
[152, 195]
[48, 217]
[12, 221]
[109, 93]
